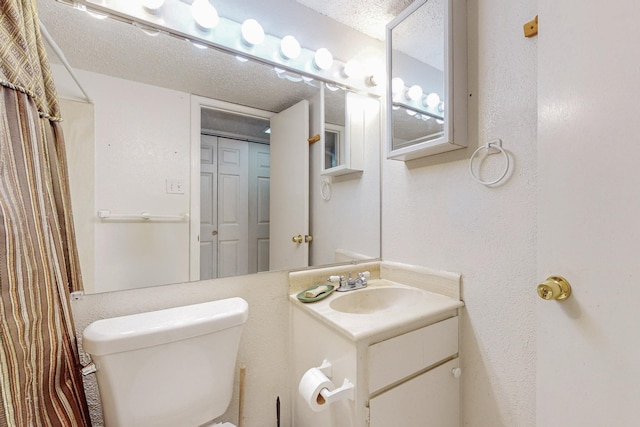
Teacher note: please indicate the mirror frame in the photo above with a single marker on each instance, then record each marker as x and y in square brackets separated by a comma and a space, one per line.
[455, 84]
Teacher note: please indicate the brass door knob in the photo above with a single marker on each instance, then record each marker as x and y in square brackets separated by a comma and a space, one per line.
[555, 287]
[308, 239]
[297, 239]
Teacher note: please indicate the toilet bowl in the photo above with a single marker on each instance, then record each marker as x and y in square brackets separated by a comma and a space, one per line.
[167, 367]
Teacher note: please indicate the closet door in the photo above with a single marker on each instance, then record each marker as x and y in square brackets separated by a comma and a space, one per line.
[233, 207]
[208, 207]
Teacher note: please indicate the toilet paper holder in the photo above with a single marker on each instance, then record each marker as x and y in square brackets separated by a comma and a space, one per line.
[344, 392]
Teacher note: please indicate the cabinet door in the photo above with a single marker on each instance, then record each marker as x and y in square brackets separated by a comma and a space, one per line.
[430, 399]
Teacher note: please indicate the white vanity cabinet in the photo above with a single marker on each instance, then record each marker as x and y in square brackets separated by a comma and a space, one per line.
[412, 381]
[403, 377]
[396, 341]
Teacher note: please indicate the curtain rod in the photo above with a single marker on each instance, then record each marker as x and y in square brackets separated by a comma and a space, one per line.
[63, 59]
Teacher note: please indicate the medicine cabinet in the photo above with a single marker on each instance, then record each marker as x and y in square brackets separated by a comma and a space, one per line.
[344, 139]
[427, 79]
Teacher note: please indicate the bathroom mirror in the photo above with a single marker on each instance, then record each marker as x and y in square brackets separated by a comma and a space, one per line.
[130, 61]
[426, 87]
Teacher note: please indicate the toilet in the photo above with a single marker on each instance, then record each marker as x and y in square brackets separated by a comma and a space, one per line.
[172, 367]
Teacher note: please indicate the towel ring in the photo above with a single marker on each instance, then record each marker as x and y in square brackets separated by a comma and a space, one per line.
[495, 144]
[325, 189]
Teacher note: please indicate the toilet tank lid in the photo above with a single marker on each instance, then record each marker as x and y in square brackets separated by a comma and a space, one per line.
[135, 331]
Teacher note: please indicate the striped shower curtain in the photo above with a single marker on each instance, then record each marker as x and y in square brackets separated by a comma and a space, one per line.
[40, 381]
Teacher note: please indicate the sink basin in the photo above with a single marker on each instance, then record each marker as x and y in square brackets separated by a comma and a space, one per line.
[373, 300]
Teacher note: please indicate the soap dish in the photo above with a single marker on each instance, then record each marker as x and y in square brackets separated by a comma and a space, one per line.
[318, 297]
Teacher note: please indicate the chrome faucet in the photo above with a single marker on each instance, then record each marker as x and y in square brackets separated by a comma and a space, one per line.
[350, 284]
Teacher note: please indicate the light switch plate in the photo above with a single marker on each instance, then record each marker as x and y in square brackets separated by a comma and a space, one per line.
[174, 186]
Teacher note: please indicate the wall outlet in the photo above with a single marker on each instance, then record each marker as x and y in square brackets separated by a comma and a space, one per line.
[174, 186]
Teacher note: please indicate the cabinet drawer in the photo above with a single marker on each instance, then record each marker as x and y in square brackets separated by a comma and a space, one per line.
[402, 356]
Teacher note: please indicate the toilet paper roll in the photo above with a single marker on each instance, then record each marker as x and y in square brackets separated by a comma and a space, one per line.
[312, 382]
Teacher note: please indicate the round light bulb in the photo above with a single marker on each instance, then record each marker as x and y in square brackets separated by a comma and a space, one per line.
[152, 6]
[204, 14]
[397, 85]
[414, 93]
[432, 100]
[410, 112]
[323, 59]
[289, 47]
[252, 32]
[352, 69]
[241, 58]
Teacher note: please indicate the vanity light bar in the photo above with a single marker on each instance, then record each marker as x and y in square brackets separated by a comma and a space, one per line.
[175, 18]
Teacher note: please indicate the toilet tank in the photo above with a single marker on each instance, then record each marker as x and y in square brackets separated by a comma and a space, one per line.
[172, 367]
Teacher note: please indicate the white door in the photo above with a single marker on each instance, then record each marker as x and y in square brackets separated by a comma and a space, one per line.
[289, 207]
[233, 206]
[589, 213]
[259, 185]
[208, 207]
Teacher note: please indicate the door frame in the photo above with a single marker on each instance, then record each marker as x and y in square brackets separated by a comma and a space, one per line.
[197, 104]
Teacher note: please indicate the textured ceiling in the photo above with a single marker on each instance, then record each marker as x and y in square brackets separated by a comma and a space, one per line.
[120, 50]
[367, 16]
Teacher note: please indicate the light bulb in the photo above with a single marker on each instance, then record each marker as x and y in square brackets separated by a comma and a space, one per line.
[432, 100]
[411, 112]
[441, 107]
[323, 59]
[241, 58]
[352, 69]
[289, 47]
[397, 85]
[152, 6]
[252, 32]
[204, 14]
[414, 93]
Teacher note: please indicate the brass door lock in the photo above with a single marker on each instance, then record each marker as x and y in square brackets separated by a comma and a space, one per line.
[555, 287]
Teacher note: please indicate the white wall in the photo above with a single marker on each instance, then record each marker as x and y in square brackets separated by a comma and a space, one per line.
[350, 219]
[141, 140]
[436, 216]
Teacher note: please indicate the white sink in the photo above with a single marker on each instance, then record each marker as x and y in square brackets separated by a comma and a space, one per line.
[380, 310]
[373, 300]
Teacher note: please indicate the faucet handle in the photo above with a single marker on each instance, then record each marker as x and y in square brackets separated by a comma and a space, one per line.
[364, 274]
